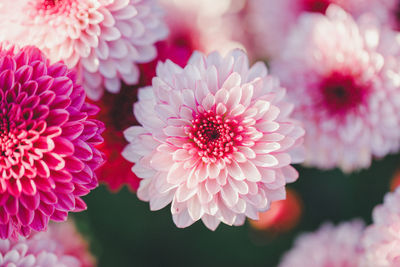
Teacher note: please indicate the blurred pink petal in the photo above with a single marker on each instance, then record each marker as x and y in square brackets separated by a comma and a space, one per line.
[61, 246]
[381, 240]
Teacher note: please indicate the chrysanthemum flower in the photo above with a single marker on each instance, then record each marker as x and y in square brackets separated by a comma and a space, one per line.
[381, 240]
[345, 93]
[67, 241]
[215, 140]
[328, 246]
[270, 21]
[61, 246]
[103, 39]
[209, 24]
[47, 142]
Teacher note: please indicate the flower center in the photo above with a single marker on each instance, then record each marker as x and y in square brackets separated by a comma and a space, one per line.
[50, 3]
[3, 135]
[214, 136]
[341, 93]
[318, 6]
[8, 142]
[51, 7]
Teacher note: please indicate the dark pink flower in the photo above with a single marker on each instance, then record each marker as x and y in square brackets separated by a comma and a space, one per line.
[47, 142]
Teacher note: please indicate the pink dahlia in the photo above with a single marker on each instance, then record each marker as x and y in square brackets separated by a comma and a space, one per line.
[270, 21]
[328, 246]
[345, 93]
[381, 240]
[215, 140]
[59, 247]
[103, 39]
[47, 142]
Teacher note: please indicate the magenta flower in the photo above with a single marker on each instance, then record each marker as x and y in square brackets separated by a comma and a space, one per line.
[48, 249]
[329, 246]
[345, 93]
[381, 240]
[103, 39]
[47, 142]
[215, 140]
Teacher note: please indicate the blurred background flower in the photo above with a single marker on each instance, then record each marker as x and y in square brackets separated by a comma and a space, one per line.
[381, 240]
[343, 91]
[329, 246]
[60, 246]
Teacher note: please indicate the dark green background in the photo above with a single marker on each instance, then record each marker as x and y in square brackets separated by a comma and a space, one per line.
[124, 232]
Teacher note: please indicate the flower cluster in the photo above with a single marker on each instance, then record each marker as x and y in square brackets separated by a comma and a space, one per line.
[103, 39]
[212, 135]
[345, 92]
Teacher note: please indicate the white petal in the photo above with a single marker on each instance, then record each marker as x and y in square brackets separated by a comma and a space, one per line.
[174, 131]
[250, 171]
[195, 209]
[213, 170]
[182, 219]
[132, 132]
[229, 195]
[176, 174]
[212, 186]
[160, 201]
[210, 221]
[267, 126]
[212, 79]
[265, 160]
[232, 81]
[235, 171]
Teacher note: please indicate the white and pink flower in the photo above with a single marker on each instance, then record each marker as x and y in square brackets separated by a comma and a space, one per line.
[103, 39]
[330, 245]
[270, 21]
[61, 246]
[346, 92]
[215, 140]
[381, 240]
